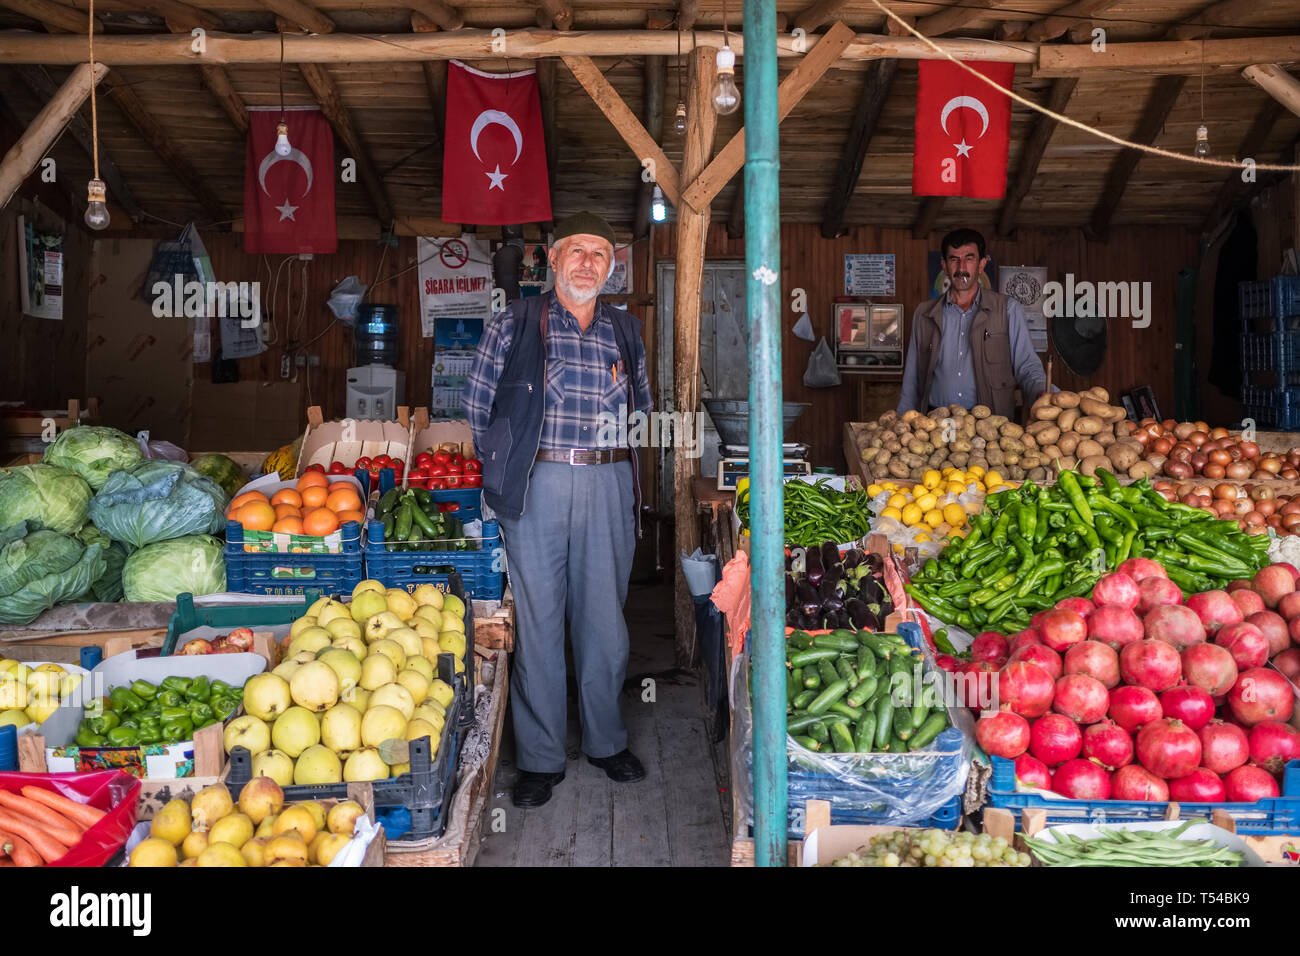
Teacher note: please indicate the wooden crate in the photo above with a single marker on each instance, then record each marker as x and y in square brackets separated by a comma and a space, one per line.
[494, 623]
[15, 643]
[33, 426]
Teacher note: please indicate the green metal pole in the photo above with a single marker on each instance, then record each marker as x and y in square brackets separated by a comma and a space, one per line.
[767, 519]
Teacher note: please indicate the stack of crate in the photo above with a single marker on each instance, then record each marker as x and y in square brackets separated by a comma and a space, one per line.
[1270, 351]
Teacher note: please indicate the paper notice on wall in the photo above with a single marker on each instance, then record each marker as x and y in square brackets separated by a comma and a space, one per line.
[202, 340]
[869, 275]
[40, 259]
[620, 280]
[240, 342]
[1025, 284]
[455, 280]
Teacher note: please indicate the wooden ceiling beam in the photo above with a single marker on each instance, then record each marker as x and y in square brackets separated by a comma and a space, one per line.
[871, 102]
[1233, 187]
[546, 101]
[1227, 13]
[445, 16]
[217, 80]
[1058, 97]
[1154, 114]
[55, 17]
[928, 216]
[688, 11]
[302, 16]
[819, 14]
[1167, 56]
[956, 17]
[435, 80]
[1060, 20]
[554, 13]
[1277, 83]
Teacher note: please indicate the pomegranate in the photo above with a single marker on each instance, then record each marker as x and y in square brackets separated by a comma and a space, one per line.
[1116, 588]
[1030, 635]
[1043, 656]
[1199, 786]
[1154, 665]
[1108, 744]
[1261, 694]
[1115, 625]
[1094, 659]
[974, 682]
[1215, 609]
[1033, 772]
[1134, 782]
[1026, 688]
[1079, 605]
[1288, 607]
[1082, 698]
[1038, 617]
[1054, 739]
[1274, 627]
[1245, 642]
[990, 646]
[1272, 583]
[1190, 704]
[1174, 624]
[1249, 601]
[1209, 667]
[1237, 585]
[1224, 746]
[1272, 744]
[1061, 628]
[1288, 662]
[1290, 569]
[1081, 780]
[1294, 629]
[1003, 734]
[947, 662]
[1131, 707]
[1153, 592]
[1168, 748]
[1248, 784]
[1139, 569]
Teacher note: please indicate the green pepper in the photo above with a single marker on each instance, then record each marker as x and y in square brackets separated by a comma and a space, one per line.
[169, 698]
[999, 536]
[224, 707]
[201, 712]
[1119, 513]
[131, 720]
[1027, 518]
[1105, 526]
[88, 738]
[171, 713]
[1069, 483]
[1026, 551]
[1125, 547]
[200, 724]
[144, 690]
[124, 700]
[177, 729]
[102, 724]
[123, 737]
[220, 689]
[1109, 483]
[200, 689]
[1043, 571]
[178, 684]
[150, 731]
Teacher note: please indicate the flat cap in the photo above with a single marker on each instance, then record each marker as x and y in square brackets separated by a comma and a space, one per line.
[584, 223]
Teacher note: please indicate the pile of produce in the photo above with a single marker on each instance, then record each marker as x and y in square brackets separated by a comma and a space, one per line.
[824, 588]
[283, 461]
[445, 468]
[158, 572]
[1033, 547]
[858, 692]
[224, 471]
[1137, 694]
[1256, 507]
[1119, 847]
[314, 506]
[94, 452]
[814, 512]
[413, 522]
[912, 847]
[1185, 450]
[28, 695]
[259, 830]
[142, 713]
[934, 505]
[238, 641]
[157, 500]
[39, 569]
[1083, 431]
[39, 826]
[355, 675]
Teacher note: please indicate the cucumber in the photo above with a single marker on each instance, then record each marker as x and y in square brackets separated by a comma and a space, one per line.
[845, 670]
[798, 676]
[919, 713]
[934, 725]
[807, 743]
[830, 695]
[792, 689]
[811, 656]
[866, 663]
[811, 678]
[852, 713]
[897, 745]
[863, 691]
[797, 725]
[848, 645]
[884, 718]
[827, 669]
[864, 738]
[803, 699]
[881, 648]
[842, 739]
[817, 731]
[800, 640]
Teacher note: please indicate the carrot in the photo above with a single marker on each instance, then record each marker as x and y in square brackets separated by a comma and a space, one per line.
[38, 836]
[21, 851]
[78, 813]
[39, 812]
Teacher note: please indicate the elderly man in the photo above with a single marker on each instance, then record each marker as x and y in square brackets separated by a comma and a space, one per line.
[548, 370]
[969, 346]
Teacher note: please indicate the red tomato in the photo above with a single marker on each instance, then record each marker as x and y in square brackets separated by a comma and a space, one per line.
[338, 468]
[455, 468]
[398, 464]
[320, 468]
[441, 458]
[363, 462]
[472, 481]
[424, 459]
[381, 461]
[453, 480]
[437, 484]
[473, 466]
[458, 458]
[438, 471]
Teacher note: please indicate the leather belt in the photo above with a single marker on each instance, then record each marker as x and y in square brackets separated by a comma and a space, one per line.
[583, 456]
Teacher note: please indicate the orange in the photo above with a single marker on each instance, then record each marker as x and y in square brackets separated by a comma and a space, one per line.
[291, 525]
[320, 522]
[287, 496]
[246, 497]
[350, 515]
[257, 516]
[343, 498]
[313, 479]
[287, 511]
[314, 496]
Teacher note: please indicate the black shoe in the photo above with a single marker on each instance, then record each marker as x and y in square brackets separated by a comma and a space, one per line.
[622, 767]
[534, 789]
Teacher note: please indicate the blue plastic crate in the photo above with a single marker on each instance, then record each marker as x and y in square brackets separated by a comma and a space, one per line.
[482, 570]
[1277, 408]
[1274, 300]
[1277, 352]
[1275, 815]
[271, 573]
[947, 817]
[468, 502]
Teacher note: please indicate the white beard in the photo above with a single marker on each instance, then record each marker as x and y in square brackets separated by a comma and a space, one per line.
[581, 297]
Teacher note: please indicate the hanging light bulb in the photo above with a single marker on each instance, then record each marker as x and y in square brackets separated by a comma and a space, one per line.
[658, 211]
[1202, 140]
[726, 96]
[282, 147]
[96, 210]
[679, 119]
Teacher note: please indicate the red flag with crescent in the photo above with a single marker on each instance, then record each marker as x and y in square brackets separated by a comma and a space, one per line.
[289, 192]
[963, 130]
[494, 155]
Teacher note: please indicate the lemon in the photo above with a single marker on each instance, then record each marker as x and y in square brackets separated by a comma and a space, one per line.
[931, 478]
[874, 490]
[897, 500]
[975, 470]
[892, 513]
[919, 490]
[956, 488]
[992, 478]
[934, 517]
[954, 514]
[889, 485]
[912, 514]
[949, 471]
[927, 502]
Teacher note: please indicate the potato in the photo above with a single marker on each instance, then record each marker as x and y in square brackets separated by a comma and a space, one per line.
[959, 459]
[1047, 413]
[1011, 446]
[881, 458]
[1068, 442]
[916, 446]
[1067, 418]
[911, 415]
[997, 421]
[1088, 425]
[893, 447]
[960, 445]
[1065, 399]
[1011, 430]
[978, 443]
[1141, 469]
[1116, 415]
[1089, 449]
[1093, 407]
[1046, 435]
[928, 423]
[1030, 460]
[987, 430]
[1099, 393]
[981, 411]
[1123, 454]
[978, 459]
[1015, 471]
[1029, 440]
[1089, 466]
[937, 458]
[1068, 462]
[888, 417]
[911, 460]
[897, 469]
[1037, 474]
[1105, 439]
[1051, 453]
[994, 455]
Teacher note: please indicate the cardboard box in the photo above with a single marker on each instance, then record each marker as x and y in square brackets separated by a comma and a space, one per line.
[426, 435]
[278, 542]
[347, 440]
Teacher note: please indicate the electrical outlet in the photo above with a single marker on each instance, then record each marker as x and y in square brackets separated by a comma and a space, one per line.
[300, 360]
[284, 366]
[313, 361]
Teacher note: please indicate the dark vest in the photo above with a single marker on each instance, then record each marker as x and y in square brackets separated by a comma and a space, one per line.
[990, 344]
[514, 430]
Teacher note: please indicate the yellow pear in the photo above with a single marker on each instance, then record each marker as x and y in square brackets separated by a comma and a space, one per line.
[154, 852]
[428, 595]
[266, 695]
[17, 718]
[396, 696]
[249, 732]
[340, 729]
[13, 693]
[265, 828]
[275, 764]
[432, 712]
[209, 805]
[366, 605]
[298, 819]
[419, 727]
[442, 692]
[328, 846]
[172, 822]
[422, 664]
[415, 682]
[344, 627]
[193, 862]
[235, 829]
[68, 684]
[379, 625]
[342, 817]
[194, 844]
[316, 810]
[311, 849]
[334, 611]
[300, 625]
[312, 639]
[453, 642]
[397, 769]
[451, 622]
[40, 711]
[221, 854]
[426, 628]
[368, 585]
[317, 605]
[453, 605]
[381, 723]
[295, 730]
[42, 686]
[365, 764]
[317, 764]
[254, 851]
[390, 649]
[20, 673]
[49, 669]
[431, 650]
[358, 697]
[315, 686]
[289, 849]
[401, 603]
[407, 639]
[354, 645]
[260, 798]
[285, 669]
[7, 664]
[289, 863]
[376, 671]
[430, 613]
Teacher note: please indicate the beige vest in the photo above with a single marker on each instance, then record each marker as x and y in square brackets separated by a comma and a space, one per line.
[990, 343]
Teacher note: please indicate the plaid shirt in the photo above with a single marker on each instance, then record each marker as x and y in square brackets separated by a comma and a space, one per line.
[583, 376]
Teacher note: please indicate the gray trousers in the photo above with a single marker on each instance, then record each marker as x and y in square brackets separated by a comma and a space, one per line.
[570, 557]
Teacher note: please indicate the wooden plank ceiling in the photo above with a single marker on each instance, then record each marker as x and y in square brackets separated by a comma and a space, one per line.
[388, 106]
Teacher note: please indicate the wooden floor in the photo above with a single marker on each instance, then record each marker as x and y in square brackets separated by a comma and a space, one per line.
[675, 817]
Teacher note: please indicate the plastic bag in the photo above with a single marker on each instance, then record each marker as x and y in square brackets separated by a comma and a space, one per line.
[160, 449]
[344, 299]
[112, 791]
[803, 329]
[821, 371]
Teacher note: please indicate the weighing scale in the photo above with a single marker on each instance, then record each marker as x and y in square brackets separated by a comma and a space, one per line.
[733, 462]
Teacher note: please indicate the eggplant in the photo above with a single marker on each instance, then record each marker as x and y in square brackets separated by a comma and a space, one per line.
[814, 575]
[789, 591]
[872, 622]
[856, 610]
[805, 593]
[793, 618]
[851, 559]
[830, 605]
[788, 559]
[869, 590]
[830, 554]
[832, 572]
[873, 561]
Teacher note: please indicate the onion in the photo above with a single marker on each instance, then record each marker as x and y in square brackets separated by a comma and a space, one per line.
[1290, 474]
[1217, 433]
[1272, 465]
[1260, 492]
[1274, 521]
[1290, 507]
[1162, 445]
[1202, 427]
[1249, 449]
[1234, 450]
[1218, 457]
[1212, 470]
[1290, 520]
[1254, 518]
[1226, 491]
[1156, 460]
[1178, 469]
[1192, 500]
[1141, 436]
[1239, 470]
[1169, 424]
[1224, 508]
[1168, 495]
[1198, 438]
[1183, 430]
[1262, 475]
[1160, 484]
[1181, 452]
[1266, 506]
[1198, 461]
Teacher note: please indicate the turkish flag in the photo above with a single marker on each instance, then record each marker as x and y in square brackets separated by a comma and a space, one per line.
[289, 200]
[494, 157]
[963, 130]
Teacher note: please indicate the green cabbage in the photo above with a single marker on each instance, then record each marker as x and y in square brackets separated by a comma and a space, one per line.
[45, 496]
[39, 569]
[224, 471]
[157, 500]
[159, 572]
[94, 452]
[108, 586]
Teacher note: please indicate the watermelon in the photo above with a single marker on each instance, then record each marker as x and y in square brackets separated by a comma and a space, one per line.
[225, 472]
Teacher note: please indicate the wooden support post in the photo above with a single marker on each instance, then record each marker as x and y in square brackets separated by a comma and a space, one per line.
[1060, 20]
[546, 96]
[928, 215]
[656, 80]
[1032, 155]
[1187, 57]
[692, 231]
[875, 90]
[45, 129]
[1256, 137]
[1277, 83]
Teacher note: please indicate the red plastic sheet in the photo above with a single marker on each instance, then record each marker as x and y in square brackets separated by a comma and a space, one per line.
[112, 791]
